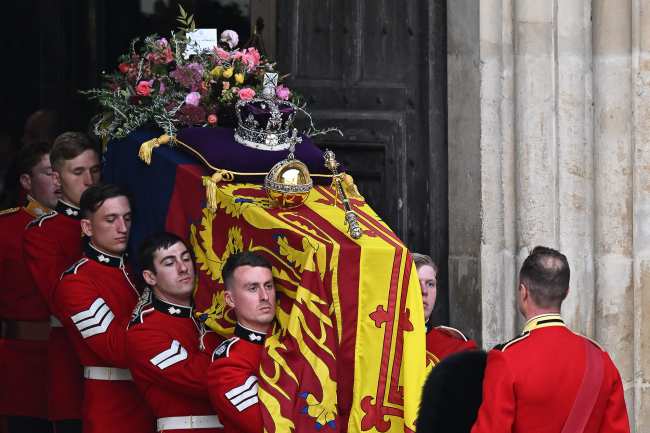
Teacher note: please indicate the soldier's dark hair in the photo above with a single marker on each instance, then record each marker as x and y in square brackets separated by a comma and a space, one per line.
[546, 274]
[69, 145]
[245, 258]
[29, 156]
[153, 243]
[96, 195]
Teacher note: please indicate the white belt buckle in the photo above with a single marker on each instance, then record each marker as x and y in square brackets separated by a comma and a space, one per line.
[188, 422]
[107, 373]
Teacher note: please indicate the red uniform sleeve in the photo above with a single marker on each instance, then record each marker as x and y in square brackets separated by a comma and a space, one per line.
[44, 261]
[497, 411]
[156, 357]
[89, 320]
[232, 385]
[615, 418]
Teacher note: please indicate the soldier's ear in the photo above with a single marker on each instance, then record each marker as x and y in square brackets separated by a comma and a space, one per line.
[227, 296]
[26, 182]
[86, 227]
[523, 291]
[56, 177]
[149, 277]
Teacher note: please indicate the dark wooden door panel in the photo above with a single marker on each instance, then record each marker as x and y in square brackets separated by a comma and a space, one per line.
[376, 70]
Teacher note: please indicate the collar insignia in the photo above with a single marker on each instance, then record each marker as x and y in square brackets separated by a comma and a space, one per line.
[248, 334]
[68, 210]
[171, 309]
[104, 258]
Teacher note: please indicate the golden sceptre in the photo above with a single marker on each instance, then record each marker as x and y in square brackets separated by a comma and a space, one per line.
[350, 216]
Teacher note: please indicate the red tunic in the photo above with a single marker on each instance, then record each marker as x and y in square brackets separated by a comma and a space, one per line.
[23, 358]
[443, 341]
[166, 360]
[232, 381]
[531, 383]
[94, 300]
[52, 243]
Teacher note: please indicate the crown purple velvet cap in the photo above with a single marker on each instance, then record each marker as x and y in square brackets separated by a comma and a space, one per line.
[219, 148]
[263, 115]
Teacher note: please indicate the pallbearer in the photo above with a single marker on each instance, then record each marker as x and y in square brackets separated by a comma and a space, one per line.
[52, 243]
[234, 372]
[169, 352]
[442, 341]
[94, 300]
[24, 315]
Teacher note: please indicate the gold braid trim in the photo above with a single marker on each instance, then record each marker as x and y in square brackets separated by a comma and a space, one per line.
[219, 175]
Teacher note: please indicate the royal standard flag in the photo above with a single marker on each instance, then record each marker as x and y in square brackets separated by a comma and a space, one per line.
[348, 350]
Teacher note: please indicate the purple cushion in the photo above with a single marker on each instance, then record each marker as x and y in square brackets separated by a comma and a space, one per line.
[219, 148]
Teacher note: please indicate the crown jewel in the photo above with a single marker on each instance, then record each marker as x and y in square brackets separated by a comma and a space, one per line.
[265, 122]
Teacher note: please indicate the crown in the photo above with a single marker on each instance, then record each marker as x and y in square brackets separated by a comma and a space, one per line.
[265, 122]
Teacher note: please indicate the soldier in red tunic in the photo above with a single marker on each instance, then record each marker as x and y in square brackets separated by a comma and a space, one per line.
[442, 341]
[94, 300]
[549, 379]
[168, 350]
[52, 243]
[232, 377]
[24, 315]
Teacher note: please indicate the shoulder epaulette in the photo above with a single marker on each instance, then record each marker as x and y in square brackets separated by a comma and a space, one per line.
[504, 346]
[452, 332]
[74, 268]
[9, 211]
[594, 342]
[39, 221]
[223, 351]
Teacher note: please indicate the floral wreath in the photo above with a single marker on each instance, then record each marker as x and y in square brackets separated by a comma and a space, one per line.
[173, 83]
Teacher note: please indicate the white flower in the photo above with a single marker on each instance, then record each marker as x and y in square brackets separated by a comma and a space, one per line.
[230, 37]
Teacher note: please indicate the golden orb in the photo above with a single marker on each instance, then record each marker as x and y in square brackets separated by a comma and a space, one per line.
[288, 183]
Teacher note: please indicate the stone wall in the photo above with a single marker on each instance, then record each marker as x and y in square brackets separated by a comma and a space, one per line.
[549, 144]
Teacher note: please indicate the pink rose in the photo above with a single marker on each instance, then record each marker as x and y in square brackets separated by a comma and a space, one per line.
[143, 88]
[249, 57]
[221, 53]
[193, 98]
[212, 119]
[167, 54]
[282, 92]
[246, 94]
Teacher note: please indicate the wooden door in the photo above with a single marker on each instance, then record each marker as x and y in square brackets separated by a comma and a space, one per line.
[376, 69]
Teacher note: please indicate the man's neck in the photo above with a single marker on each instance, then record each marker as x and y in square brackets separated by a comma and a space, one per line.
[170, 299]
[534, 312]
[67, 201]
[105, 251]
[262, 329]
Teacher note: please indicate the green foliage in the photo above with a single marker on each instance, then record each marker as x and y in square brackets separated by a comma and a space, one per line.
[186, 21]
